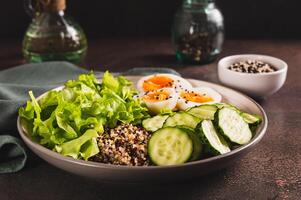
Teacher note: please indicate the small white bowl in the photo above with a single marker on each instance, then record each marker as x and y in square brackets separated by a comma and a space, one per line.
[256, 85]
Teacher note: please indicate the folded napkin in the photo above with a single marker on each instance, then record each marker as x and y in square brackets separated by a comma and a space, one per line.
[14, 86]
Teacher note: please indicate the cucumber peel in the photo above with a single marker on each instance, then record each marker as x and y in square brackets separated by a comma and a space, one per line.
[251, 119]
[233, 126]
[214, 143]
[197, 144]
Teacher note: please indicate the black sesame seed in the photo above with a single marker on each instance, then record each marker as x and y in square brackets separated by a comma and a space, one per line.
[252, 66]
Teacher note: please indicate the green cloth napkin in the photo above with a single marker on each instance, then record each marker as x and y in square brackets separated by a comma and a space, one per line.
[14, 86]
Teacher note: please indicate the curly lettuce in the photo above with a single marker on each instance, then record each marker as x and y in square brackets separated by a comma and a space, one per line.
[69, 120]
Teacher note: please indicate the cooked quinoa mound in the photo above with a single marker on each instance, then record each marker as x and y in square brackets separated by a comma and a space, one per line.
[123, 145]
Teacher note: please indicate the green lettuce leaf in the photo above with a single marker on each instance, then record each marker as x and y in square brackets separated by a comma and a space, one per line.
[85, 146]
[27, 112]
[60, 117]
[110, 82]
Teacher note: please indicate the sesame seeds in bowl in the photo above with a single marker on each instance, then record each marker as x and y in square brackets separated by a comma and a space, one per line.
[252, 67]
[255, 75]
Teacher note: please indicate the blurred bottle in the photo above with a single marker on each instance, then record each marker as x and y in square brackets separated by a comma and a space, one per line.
[198, 31]
[52, 36]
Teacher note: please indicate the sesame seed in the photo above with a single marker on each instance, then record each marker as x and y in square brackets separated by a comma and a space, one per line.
[252, 66]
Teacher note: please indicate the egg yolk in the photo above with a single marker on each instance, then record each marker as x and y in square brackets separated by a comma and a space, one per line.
[156, 96]
[157, 82]
[194, 97]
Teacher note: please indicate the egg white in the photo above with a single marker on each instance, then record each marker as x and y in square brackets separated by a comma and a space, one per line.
[184, 104]
[179, 82]
[156, 106]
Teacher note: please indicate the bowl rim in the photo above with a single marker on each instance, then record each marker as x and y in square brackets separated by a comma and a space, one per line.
[255, 140]
[280, 70]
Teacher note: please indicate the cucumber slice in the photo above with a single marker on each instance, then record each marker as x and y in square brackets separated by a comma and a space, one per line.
[182, 119]
[155, 123]
[226, 105]
[251, 119]
[214, 143]
[170, 146]
[232, 125]
[203, 111]
[197, 143]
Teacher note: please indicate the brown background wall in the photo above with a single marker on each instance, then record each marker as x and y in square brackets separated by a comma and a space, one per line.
[99, 18]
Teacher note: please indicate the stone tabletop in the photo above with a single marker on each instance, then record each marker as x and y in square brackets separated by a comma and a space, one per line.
[271, 171]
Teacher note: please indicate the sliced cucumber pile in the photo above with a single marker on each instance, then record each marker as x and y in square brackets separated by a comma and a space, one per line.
[213, 142]
[203, 130]
[232, 125]
[154, 123]
[182, 119]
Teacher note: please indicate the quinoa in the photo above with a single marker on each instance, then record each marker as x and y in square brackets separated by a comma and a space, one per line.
[252, 66]
[123, 145]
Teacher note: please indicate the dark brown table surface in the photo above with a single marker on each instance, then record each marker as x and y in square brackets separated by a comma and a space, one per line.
[271, 171]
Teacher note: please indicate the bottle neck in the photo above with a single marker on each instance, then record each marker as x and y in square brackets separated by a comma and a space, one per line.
[202, 3]
[51, 13]
[54, 5]
[198, 1]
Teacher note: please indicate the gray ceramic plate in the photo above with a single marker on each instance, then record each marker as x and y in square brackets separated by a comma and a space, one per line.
[114, 173]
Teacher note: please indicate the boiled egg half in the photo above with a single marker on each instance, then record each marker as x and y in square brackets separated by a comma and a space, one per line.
[162, 99]
[159, 81]
[197, 96]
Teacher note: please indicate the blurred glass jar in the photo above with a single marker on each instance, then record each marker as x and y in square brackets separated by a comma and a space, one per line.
[198, 31]
[52, 36]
